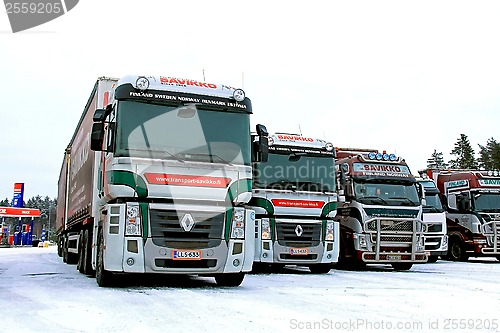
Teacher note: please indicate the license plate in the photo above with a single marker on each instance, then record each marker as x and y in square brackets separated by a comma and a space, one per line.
[393, 257]
[186, 254]
[299, 252]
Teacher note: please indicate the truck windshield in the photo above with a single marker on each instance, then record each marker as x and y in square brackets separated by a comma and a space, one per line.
[487, 202]
[389, 194]
[186, 133]
[296, 173]
[433, 203]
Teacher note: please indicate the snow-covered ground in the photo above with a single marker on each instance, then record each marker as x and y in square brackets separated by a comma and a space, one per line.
[38, 293]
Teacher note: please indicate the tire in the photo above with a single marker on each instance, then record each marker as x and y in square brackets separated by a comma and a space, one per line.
[229, 279]
[81, 254]
[87, 264]
[59, 247]
[432, 259]
[456, 250]
[64, 250]
[320, 268]
[84, 257]
[401, 266]
[348, 263]
[259, 267]
[102, 276]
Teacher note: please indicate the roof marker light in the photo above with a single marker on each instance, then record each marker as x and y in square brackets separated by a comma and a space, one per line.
[371, 156]
[239, 95]
[385, 157]
[142, 83]
[329, 146]
[379, 156]
[495, 173]
[392, 157]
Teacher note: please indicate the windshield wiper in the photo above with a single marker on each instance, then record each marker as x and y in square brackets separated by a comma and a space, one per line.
[211, 156]
[405, 199]
[312, 186]
[373, 198]
[283, 184]
[175, 157]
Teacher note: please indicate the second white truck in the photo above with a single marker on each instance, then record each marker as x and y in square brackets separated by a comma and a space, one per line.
[295, 204]
[434, 215]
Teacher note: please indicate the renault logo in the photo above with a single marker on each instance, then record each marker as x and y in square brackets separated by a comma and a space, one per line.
[298, 230]
[187, 222]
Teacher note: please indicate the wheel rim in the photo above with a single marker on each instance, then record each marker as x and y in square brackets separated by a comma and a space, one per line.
[456, 251]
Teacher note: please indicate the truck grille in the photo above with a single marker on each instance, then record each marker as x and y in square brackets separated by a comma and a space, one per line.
[285, 256]
[393, 238]
[389, 225]
[166, 229]
[286, 235]
[169, 263]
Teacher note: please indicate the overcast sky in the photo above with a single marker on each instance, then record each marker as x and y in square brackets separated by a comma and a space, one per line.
[403, 76]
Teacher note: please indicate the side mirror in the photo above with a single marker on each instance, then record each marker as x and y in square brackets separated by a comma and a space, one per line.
[97, 136]
[101, 114]
[262, 149]
[344, 169]
[463, 202]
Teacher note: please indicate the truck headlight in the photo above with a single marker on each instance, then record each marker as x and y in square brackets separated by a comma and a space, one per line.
[238, 223]
[362, 241]
[445, 240]
[329, 231]
[133, 220]
[265, 229]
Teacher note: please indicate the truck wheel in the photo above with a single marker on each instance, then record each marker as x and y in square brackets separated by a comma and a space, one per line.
[84, 260]
[347, 260]
[401, 266]
[81, 254]
[87, 264]
[432, 259]
[59, 247]
[103, 277]
[320, 268]
[456, 250]
[64, 250]
[229, 279]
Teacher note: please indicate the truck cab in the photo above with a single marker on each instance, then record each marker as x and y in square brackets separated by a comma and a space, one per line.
[472, 202]
[380, 210]
[295, 203]
[151, 184]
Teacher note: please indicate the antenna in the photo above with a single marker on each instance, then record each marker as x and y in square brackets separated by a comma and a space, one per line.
[203, 70]
[300, 130]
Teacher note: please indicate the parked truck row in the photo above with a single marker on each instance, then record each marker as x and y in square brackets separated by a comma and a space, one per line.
[163, 175]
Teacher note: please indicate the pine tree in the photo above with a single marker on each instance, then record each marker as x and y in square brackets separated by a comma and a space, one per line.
[436, 161]
[464, 154]
[489, 155]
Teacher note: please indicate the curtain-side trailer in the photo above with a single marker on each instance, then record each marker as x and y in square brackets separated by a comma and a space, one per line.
[156, 179]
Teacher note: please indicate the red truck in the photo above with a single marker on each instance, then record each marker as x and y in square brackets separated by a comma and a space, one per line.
[472, 201]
